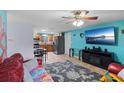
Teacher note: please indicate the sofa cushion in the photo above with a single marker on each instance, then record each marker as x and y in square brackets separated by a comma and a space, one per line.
[30, 64]
[27, 75]
[11, 70]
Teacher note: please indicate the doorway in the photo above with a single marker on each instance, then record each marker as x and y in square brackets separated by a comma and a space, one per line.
[67, 42]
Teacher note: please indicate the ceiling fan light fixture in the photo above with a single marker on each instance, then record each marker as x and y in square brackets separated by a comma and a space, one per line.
[78, 23]
[75, 23]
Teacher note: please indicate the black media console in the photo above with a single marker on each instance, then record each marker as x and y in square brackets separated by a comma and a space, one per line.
[97, 57]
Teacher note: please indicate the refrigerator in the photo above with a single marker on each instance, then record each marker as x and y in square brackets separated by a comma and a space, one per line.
[58, 45]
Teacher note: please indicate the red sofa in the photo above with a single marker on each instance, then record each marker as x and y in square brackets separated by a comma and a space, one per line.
[11, 70]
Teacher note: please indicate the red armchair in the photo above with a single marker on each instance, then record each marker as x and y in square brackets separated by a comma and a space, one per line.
[115, 68]
[114, 74]
[11, 70]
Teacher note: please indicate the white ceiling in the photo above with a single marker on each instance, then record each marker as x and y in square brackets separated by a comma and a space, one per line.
[52, 21]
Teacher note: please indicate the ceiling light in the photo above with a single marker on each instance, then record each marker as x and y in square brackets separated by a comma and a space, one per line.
[78, 23]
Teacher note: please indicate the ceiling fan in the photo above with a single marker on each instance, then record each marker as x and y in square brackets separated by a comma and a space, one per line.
[78, 16]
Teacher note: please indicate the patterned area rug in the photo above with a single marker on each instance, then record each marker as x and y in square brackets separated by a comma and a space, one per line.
[69, 72]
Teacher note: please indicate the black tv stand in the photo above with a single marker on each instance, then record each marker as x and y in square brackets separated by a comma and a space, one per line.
[97, 57]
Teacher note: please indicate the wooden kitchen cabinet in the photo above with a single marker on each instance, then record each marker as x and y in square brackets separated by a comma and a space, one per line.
[49, 47]
[50, 38]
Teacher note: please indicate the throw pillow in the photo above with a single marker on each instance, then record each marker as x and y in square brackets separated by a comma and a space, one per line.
[37, 73]
[121, 74]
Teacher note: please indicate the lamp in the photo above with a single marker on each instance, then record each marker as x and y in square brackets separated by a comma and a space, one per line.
[78, 23]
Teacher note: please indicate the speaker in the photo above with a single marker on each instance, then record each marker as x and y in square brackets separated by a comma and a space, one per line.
[106, 50]
[99, 48]
[85, 47]
[122, 31]
[93, 47]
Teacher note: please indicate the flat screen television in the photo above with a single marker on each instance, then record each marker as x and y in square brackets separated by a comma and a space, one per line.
[101, 36]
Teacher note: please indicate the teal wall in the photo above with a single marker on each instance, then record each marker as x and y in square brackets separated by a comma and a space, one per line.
[118, 49]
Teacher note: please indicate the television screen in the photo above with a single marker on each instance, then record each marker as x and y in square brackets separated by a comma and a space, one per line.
[101, 36]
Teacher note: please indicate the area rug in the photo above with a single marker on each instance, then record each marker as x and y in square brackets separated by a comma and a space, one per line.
[67, 71]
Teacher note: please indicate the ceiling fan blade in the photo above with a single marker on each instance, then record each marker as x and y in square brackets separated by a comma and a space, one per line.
[90, 18]
[69, 17]
[67, 22]
[84, 12]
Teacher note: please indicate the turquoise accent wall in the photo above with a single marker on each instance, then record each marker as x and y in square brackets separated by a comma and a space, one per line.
[118, 49]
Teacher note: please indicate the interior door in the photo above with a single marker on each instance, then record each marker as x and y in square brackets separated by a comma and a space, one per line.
[67, 42]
